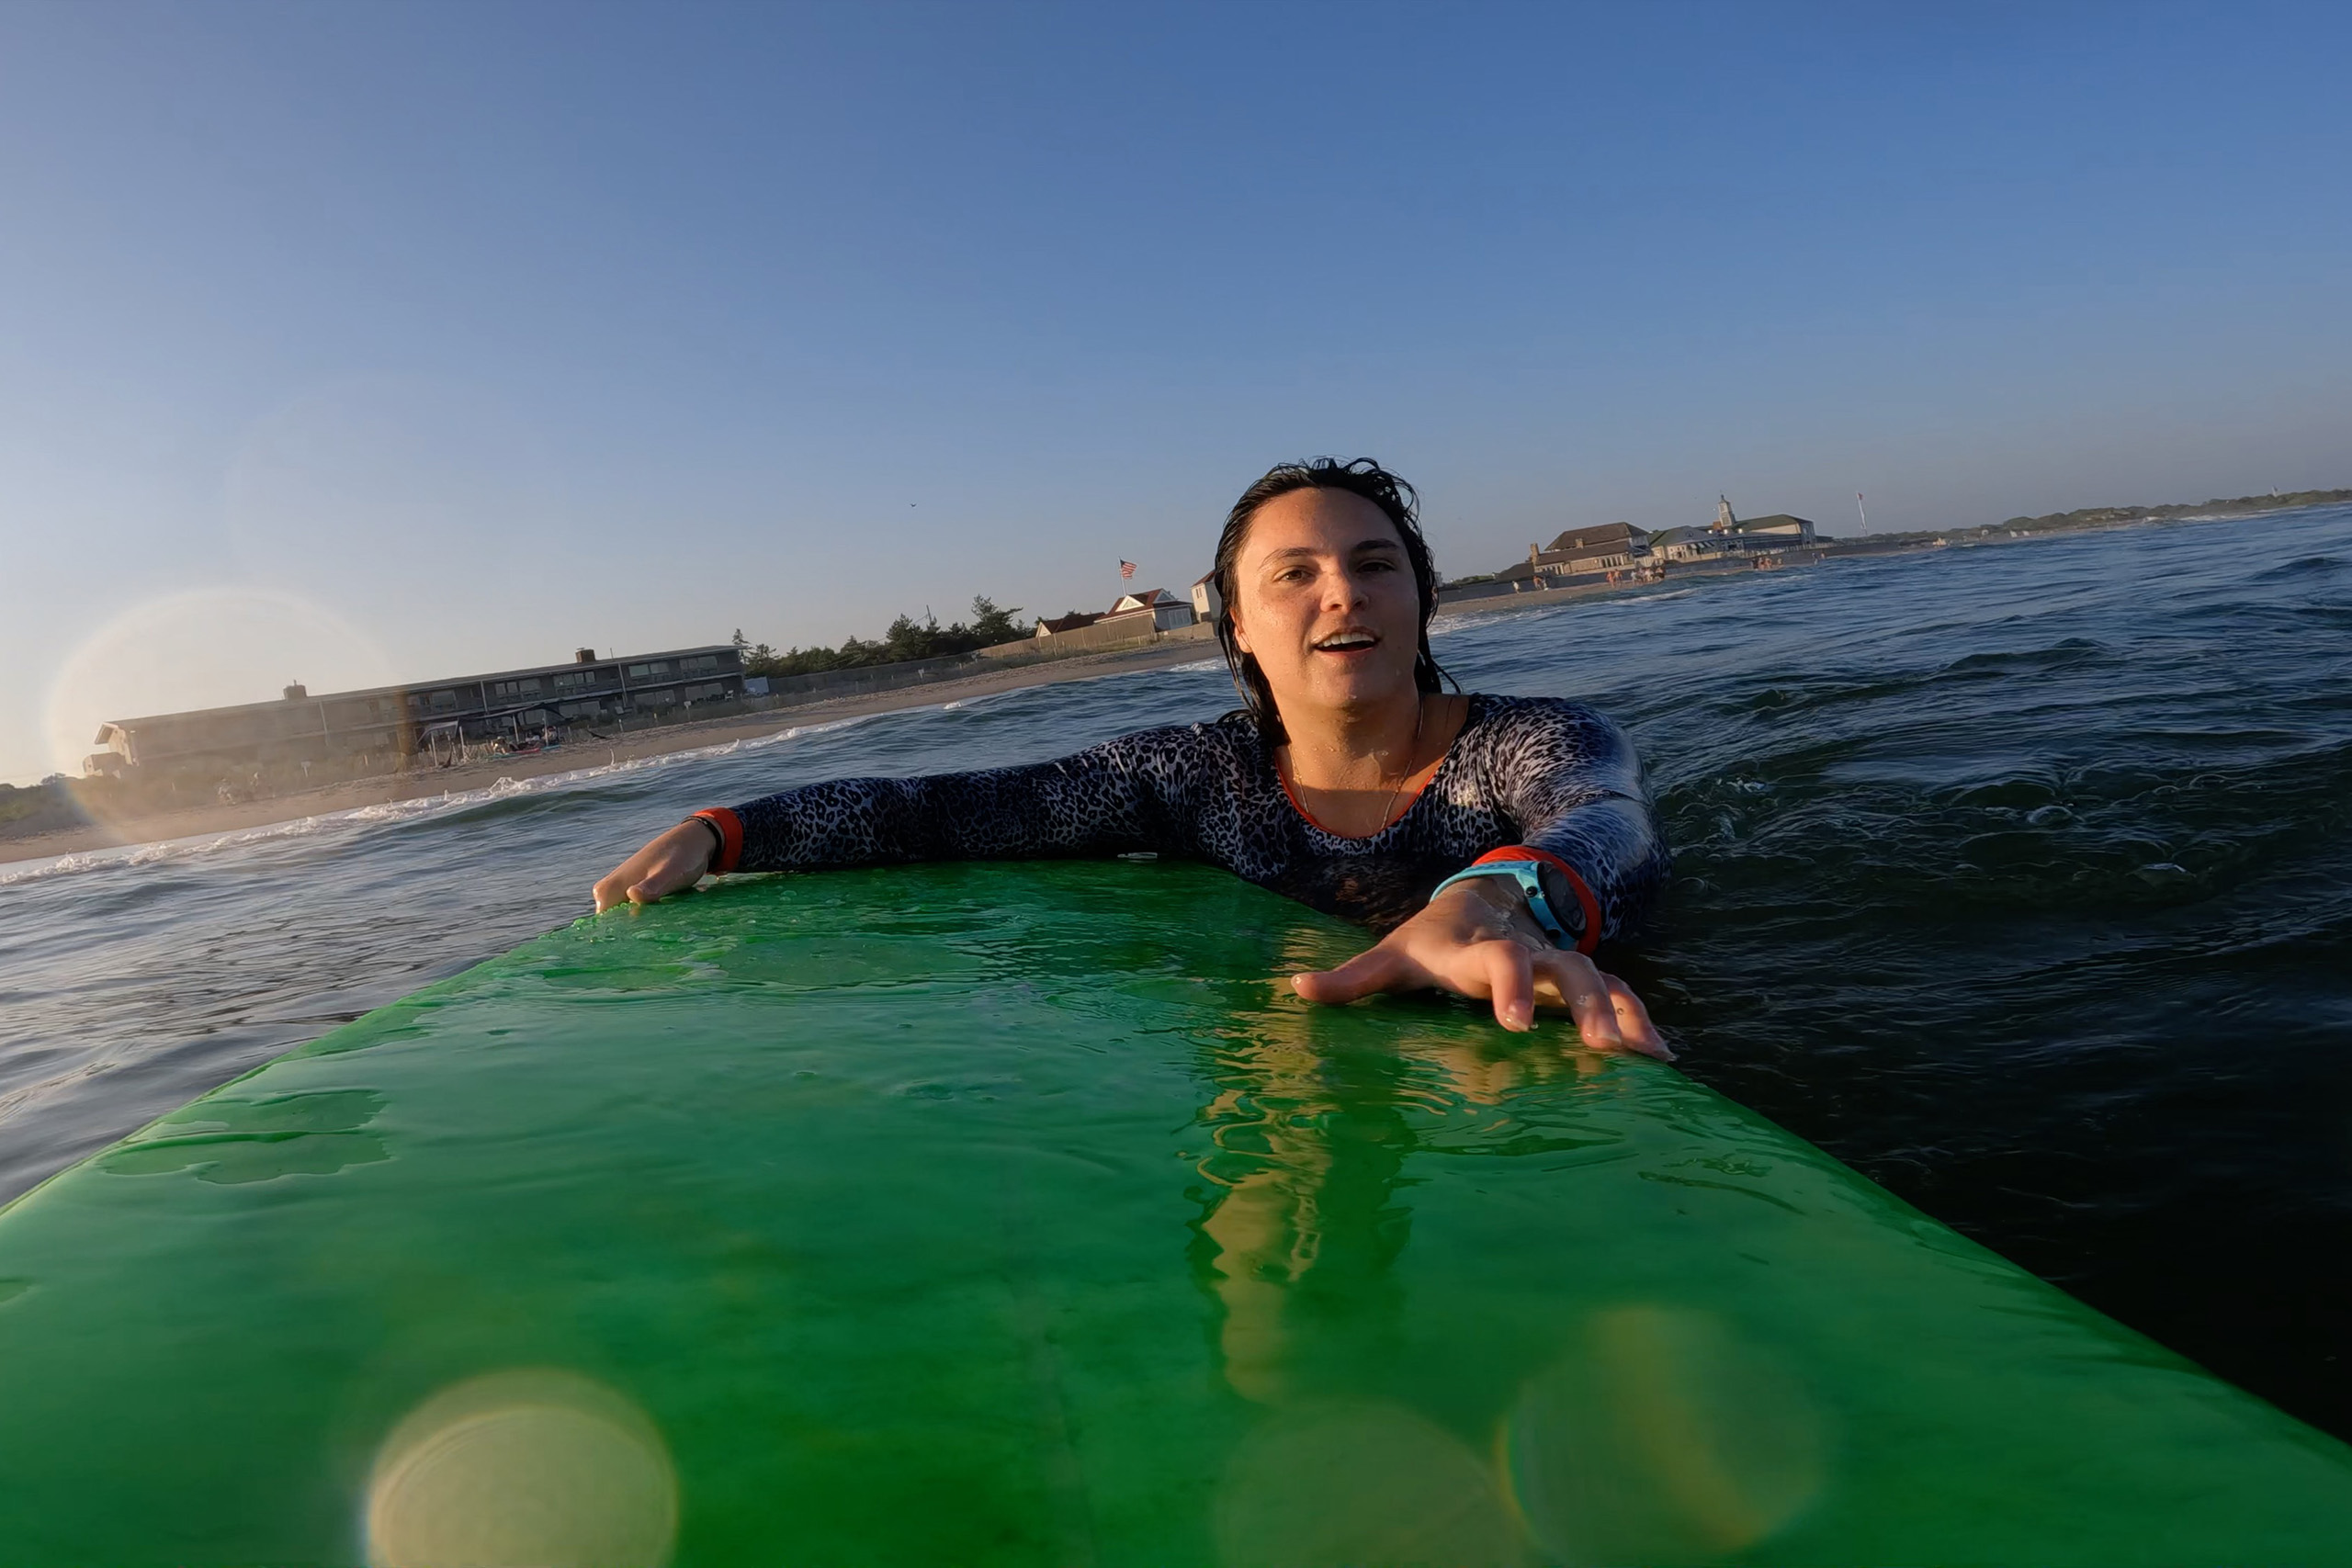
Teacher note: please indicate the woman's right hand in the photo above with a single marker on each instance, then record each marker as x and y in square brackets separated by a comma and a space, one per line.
[671, 864]
[1477, 938]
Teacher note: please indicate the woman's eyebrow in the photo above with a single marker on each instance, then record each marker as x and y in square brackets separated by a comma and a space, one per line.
[1355, 549]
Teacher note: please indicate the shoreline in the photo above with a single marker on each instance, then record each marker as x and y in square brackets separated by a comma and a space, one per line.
[198, 822]
[203, 822]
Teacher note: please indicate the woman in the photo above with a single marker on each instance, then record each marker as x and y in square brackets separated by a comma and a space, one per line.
[1497, 840]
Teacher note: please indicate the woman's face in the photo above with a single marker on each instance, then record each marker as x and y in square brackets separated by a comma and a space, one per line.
[1324, 597]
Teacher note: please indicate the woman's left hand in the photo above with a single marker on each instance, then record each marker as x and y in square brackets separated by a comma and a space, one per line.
[1477, 938]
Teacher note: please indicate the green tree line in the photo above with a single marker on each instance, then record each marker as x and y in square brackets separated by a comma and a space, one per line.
[906, 639]
[38, 808]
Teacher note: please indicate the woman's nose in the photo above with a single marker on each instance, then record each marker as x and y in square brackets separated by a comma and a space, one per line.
[1342, 590]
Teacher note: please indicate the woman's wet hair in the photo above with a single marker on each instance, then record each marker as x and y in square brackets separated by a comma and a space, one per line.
[1398, 501]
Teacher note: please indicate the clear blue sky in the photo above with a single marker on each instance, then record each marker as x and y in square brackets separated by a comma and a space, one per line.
[349, 340]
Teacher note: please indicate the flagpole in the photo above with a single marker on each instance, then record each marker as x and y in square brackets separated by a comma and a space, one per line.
[1863, 510]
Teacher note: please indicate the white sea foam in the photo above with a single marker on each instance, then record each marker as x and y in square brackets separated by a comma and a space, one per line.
[164, 851]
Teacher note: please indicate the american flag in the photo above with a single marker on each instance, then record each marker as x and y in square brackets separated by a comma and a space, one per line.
[1127, 569]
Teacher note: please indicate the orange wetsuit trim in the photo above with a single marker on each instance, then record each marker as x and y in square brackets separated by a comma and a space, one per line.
[730, 839]
[1404, 799]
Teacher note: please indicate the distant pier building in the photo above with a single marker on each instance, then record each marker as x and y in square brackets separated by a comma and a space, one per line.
[1619, 552]
[1732, 537]
[383, 724]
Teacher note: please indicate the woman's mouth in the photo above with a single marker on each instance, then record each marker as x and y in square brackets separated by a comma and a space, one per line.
[1347, 642]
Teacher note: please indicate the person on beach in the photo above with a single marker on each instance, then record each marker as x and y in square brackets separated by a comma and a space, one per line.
[1495, 842]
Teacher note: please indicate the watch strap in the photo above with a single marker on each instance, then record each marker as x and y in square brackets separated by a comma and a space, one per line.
[1526, 864]
[729, 830]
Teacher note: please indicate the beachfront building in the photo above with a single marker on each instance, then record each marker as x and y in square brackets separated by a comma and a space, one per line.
[1600, 553]
[369, 730]
[1153, 609]
[1206, 600]
[1136, 618]
[1619, 552]
[1061, 625]
[1587, 552]
[1732, 538]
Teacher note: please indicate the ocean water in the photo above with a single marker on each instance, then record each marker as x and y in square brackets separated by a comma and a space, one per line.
[2018, 877]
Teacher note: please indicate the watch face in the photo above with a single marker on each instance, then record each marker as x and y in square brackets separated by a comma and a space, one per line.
[1562, 897]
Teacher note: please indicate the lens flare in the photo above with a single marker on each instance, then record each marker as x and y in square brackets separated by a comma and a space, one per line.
[201, 647]
[1366, 1485]
[1662, 1436]
[533, 1467]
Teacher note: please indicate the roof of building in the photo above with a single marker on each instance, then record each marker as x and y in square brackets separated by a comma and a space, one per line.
[1600, 533]
[407, 686]
[1072, 622]
[1777, 520]
[1136, 603]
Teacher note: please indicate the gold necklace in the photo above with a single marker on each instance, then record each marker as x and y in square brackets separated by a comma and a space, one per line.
[1387, 812]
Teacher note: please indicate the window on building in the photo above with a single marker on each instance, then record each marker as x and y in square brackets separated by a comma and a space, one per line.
[699, 662]
[444, 700]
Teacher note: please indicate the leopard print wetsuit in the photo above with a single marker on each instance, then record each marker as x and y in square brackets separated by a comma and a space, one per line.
[1549, 775]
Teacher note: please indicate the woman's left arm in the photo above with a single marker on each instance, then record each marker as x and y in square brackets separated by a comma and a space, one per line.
[1570, 780]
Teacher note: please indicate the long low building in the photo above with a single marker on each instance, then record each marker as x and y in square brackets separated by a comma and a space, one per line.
[1611, 552]
[387, 723]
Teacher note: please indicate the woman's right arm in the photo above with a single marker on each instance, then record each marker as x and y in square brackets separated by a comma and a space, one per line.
[671, 863]
[1103, 800]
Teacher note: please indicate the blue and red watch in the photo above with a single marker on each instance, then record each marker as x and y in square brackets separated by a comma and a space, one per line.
[1533, 869]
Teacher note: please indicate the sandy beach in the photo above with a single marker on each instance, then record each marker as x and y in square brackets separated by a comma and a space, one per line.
[423, 783]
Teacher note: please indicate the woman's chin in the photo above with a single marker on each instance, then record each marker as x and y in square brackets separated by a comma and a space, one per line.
[1346, 688]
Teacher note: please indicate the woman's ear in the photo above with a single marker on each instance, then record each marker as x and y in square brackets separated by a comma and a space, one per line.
[1240, 638]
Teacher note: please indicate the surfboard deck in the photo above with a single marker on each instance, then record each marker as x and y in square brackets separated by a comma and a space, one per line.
[1017, 1214]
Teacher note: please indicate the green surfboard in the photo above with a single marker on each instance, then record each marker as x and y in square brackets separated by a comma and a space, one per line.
[1016, 1214]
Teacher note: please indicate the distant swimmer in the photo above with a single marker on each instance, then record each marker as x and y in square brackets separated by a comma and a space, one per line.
[1495, 840]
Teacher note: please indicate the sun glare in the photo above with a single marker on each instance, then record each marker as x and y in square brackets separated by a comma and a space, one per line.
[533, 1467]
[202, 648]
